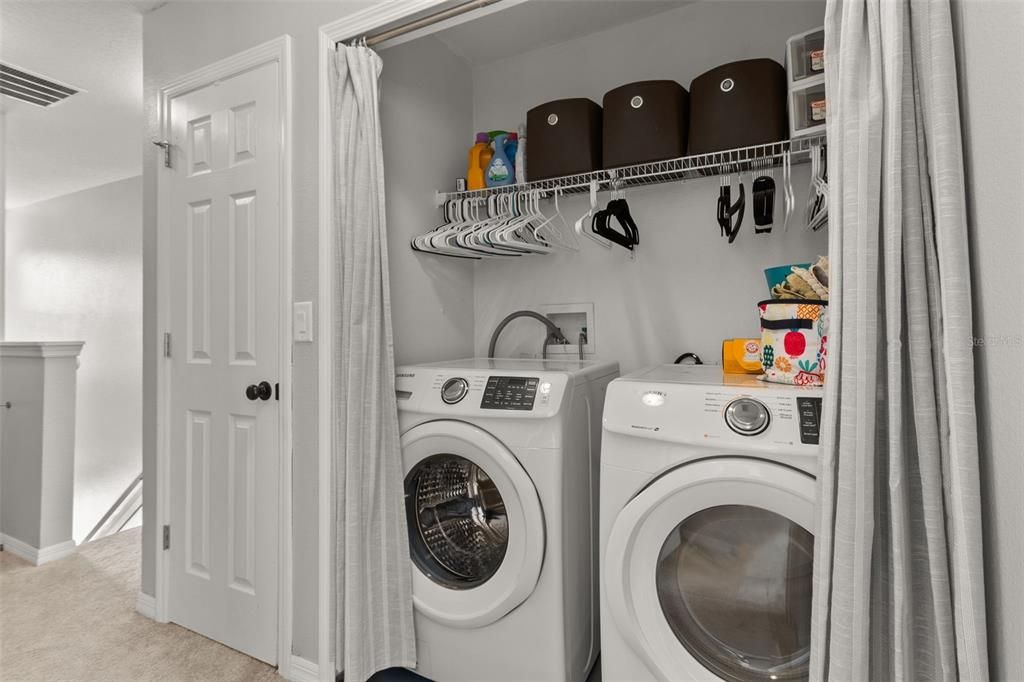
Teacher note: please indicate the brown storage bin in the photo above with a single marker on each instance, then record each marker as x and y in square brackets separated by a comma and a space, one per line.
[738, 105]
[564, 138]
[643, 122]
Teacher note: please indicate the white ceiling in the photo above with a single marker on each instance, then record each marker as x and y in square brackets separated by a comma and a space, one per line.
[94, 137]
[540, 23]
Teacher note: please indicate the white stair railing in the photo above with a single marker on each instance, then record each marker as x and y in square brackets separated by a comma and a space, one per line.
[120, 513]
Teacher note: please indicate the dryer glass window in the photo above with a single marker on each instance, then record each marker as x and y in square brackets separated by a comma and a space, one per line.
[458, 530]
[734, 583]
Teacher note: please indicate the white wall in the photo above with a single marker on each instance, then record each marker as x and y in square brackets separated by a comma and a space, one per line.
[688, 289]
[74, 272]
[990, 36]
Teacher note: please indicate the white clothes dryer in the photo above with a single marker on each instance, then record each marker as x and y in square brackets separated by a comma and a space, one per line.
[501, 464]
[708, 499]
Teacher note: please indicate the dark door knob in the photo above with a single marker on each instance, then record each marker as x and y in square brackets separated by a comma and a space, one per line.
[260, 391]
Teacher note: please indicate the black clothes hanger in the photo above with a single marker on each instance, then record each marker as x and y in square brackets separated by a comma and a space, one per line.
[763, 190]
[727, 210]
[601, 224]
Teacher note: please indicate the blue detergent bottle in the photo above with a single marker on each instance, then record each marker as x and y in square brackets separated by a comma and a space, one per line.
[500, 171]
[511, 147]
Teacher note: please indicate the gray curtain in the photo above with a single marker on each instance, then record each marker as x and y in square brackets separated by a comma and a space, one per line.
[898, 590]
[373, 582]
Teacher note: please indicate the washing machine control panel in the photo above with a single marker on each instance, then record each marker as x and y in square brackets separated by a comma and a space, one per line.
[468, 393]
[509, 393]
[747, 415]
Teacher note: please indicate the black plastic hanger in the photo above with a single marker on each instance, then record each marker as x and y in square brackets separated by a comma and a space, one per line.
[601, 224]
[727, 210]
[763, 190]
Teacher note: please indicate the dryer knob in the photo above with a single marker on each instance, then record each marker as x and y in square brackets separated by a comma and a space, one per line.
[454, 390]
[747, 417]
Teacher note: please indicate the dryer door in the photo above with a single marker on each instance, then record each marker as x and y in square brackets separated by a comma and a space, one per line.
[708, 569]
[476, 530]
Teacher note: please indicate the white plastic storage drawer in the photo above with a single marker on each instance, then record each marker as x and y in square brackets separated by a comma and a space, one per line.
[805, 55]
[807, 109]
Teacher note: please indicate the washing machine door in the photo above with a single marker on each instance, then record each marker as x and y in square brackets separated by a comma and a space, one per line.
[708, 570]
[476, 528]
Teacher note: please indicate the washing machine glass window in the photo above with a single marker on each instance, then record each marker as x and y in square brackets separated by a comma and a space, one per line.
[734, 583]
[458, 529]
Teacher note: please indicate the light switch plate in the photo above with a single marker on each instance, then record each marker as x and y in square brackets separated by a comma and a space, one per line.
[302, 322]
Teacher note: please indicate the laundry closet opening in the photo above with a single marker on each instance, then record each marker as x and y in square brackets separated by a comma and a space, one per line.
[687, 287]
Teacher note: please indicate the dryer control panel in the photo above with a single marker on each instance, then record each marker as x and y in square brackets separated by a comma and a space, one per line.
[509, 393]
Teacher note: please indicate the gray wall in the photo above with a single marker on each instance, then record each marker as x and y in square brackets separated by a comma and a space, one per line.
[3, 216]
[74, 271]
[426, 120]
[21, 447]
[212, 30]
[37, 445]
[433, 314]
[181, 37]
[689, 288]
[990, 36]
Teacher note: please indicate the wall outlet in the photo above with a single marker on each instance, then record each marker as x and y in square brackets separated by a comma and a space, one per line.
[572, 318]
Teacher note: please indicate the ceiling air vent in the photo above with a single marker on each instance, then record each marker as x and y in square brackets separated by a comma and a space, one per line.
[28, 87]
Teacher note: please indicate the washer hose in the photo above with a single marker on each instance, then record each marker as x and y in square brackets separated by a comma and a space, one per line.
[554, 334]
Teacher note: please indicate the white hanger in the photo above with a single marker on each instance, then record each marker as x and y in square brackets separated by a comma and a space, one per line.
[787, 181]
[471, 238]
[586, 231]
[561, 235]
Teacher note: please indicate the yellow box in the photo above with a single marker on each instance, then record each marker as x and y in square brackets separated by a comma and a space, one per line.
[741, 356]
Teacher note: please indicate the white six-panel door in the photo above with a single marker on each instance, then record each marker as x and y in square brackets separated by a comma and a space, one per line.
[223, 197]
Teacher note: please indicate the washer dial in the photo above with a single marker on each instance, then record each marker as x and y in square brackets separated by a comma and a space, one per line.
[454, 390]
[747, 417]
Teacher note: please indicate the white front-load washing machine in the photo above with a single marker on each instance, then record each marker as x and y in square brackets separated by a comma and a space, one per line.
[501, 464]
[708, 499]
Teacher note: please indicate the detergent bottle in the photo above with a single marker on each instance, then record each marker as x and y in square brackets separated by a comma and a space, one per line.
[499, 171]
[520, 160]
[479, 160]
[511, 145]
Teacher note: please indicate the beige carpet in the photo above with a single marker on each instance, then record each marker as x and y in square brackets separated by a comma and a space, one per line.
[75, 619]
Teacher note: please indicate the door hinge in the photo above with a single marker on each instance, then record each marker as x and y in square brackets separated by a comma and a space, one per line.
[166, 146]
[167, 344]
[167, 537]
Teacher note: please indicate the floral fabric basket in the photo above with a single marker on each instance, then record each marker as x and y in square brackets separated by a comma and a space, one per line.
[794, 341]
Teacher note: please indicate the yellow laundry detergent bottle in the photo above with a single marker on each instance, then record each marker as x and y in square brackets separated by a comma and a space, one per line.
[480, 155]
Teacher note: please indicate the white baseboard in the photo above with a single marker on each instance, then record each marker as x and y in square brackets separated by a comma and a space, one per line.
[146, 605]
[54, 552]
[301, 670]
[36, 556]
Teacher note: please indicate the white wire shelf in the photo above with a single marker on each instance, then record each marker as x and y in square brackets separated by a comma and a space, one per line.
[681, 169]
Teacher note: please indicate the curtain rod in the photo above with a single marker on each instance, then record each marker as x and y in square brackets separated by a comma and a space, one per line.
[428, 20]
